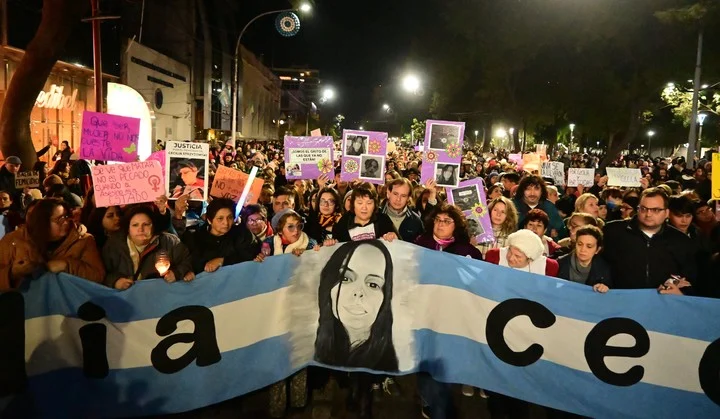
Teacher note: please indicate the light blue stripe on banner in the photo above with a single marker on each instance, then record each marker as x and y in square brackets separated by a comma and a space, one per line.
[146, 392]
[475, 364]
[654, 311]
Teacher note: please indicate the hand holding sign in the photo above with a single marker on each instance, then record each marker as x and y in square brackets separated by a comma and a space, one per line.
[229, 183]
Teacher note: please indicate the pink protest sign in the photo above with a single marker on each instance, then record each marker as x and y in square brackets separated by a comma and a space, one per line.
[160, 156]
[129, 183]
[109, 137]
[364, 156]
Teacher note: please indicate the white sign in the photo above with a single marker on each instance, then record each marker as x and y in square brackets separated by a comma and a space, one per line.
[186, 170]
[620, 176]
[554, 170]
[308, 155]
[54, 98]
[29, 179]
[577, 176]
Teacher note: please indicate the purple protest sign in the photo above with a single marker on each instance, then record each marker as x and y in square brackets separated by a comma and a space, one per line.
[364, 155]
[109, 137]
[442, 152]
[308, 157]
[470, 198]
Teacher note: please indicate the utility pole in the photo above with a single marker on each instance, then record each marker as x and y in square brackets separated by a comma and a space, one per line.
[692, 136]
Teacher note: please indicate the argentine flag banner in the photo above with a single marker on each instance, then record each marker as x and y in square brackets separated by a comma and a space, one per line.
[77, 349]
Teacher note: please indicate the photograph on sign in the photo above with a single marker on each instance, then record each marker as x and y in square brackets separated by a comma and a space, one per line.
[368, 166]
[127, 183]
[308, 157]
[356, 145]
[109, 137]
[441, 135]
[187, 170]
[371, 167]
[443, 146]
[447, 174]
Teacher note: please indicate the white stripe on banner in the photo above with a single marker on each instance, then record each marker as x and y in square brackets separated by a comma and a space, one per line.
[242, 323]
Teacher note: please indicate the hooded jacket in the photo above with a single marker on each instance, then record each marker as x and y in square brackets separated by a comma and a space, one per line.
[236, 246]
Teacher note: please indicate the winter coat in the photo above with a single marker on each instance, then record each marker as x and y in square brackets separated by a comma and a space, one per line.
[382, 224]
[411, 227]
[556, 221]
[118, 262]
[599, 270]
[461, 249]
[551, 266]
[78, 250]
[237, 246]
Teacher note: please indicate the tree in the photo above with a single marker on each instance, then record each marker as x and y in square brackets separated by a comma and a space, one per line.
[41, 54]
[681, 102]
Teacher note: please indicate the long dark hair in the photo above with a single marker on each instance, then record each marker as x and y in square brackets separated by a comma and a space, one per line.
[95, 227]
[332, 345]
[38, 222]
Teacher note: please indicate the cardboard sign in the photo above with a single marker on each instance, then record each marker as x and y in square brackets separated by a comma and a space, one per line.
[624, 177]
[229, 183]
[554, 170]
[531, 162]
[187, 170]
[541, 150]
[442, 152]
[316, 133]
[308, 157]
[129, 183]
[109, 137]
[715, 176]
[364, 154]
[577, 176]
[29, 179]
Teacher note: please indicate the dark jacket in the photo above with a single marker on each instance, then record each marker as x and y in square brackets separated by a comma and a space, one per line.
[7, 184]
[313, 228]
[461, 249]
[411, 227]
[599, 270]
[637, 261]
[237, 246]
[382, 224]
[118, 263]
[556, 221]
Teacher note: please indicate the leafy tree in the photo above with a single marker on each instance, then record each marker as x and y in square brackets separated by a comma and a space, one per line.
[681, 102]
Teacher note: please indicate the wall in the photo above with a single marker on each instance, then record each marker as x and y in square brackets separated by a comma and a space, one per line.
[261, 99]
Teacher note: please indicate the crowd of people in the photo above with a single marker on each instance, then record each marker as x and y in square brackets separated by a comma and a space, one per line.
[663, 235]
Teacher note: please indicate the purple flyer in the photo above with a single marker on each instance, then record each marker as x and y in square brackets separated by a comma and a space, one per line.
[442, 152]
[364, 154]
[469, 196]
[308, 157]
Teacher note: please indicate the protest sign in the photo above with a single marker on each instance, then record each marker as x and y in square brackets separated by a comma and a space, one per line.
[554, 170]
[161, 157]
[187, 170]
[443, 152]
[364, 156]
[127, 183]
[316, 133]
[715, 176]
[624, 177]
[309, 157]
[541, 150]
[30, 179]
[531, 162]
[578, 176]
[391, 147]
[109, 137]
[229, 183]
[469, 196]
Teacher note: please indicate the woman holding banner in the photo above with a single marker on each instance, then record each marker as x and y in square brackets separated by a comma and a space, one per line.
[328, 212]
[582, 265]
[363, 221]
[290, 237]
[447, 231]
[524, 252]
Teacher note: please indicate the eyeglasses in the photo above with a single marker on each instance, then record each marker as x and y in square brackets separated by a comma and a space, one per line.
[293, 227]
[60, 220]
[255, 221]
[327, 202]
[444, 221]
[653, 211]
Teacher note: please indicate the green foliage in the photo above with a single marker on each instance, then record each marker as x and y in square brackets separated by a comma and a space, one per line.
[680, 101]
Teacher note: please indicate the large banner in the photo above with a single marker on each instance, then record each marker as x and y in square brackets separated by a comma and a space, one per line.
[90, 351]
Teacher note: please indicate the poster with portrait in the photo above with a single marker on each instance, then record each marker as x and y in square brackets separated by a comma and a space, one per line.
[308, 157]
[469, 196]
[443, 152]
[364, 155]
[187, 169]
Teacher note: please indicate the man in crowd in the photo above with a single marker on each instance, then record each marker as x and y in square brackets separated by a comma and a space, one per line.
[406, 221]
[532, 193]
[7, 176]
[283, 198]
[509, 181]
[643, 252]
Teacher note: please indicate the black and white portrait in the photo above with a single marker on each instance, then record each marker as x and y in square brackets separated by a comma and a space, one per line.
[466, 197]
[356, 145]
[371, 167]
[294, 170]
[442, 135]
[475, 228]
[446, 174]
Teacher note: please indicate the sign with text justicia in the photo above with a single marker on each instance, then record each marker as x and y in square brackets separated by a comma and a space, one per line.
[89, 351]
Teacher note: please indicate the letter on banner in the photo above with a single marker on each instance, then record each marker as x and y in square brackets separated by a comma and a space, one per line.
[498, 319]
[205, 348]
[597, 348]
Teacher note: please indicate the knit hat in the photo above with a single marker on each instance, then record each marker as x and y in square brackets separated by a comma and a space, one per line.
[276, 218]
[527, 242]
[13, 160]
[52, 180]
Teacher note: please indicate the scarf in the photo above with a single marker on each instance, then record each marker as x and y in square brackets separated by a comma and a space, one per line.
[441, 244]
[279, 243]
[578, 273]
[328, 220]
[396, 217]
[135, 252]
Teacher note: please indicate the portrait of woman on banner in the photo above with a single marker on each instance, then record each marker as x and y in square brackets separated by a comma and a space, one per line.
[354, 299]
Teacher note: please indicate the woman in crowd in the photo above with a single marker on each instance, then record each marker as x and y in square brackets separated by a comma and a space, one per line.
[50, 241]
[582, 265]
[574, 222]
[254, 218]
[524, 252]
[290, 237]
[495, 191]
[588, 204]
[42, 168]
[537, 221]
[11, 217]
[364, 221]
[504, 220]
[320, 223]
[220, 242]
[446, 230]
[104, 222]
[139, 251]
[391, 175]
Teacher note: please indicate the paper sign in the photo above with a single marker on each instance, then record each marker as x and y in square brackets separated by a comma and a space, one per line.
[541, 150]
[109, 137]
[469, 196]
[316, 133]
[531, 162]
[309, 157]
[578, 176]
[442, 152]
[620, 176]
[229, 183]
[554, 170]
[187, 169]
[364, 155]
[159, 156]
[716, 176]
[29, 179]
[128, 183]
[391, 148]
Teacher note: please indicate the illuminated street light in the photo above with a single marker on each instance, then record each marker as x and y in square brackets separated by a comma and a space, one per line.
[411, 83]
[305, 7]
[572, 136]
[650, 134]
[328, 94]
[701, 121]
[386, 106]
[511, 131]
[501, 133]
[361, 127]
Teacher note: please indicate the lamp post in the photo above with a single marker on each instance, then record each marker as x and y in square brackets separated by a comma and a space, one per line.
[701, 121]
[411, 83]
[572, 136]
[236, 74]
[650, 134]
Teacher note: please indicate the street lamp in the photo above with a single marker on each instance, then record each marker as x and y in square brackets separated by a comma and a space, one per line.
[650, 134]
[386, 106]
[411, 83]
[572, 136]
[328, 94]
[305, 8]
[701, 121]
[361, 127]
[476, 134]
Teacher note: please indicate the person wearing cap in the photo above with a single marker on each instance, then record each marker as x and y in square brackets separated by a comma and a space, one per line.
[524, 252]
[289, 236]
[7, 176]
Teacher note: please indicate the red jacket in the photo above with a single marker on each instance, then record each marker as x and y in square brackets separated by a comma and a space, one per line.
[551, 266]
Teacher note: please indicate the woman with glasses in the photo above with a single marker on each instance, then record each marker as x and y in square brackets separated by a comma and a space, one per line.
[321, 222]
[254, 218]
[290, 237]
[363, 221]
[50, 241]
[447, 231]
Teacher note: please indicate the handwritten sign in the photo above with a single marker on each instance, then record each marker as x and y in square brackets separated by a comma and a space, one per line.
[578, 176]
[129, 183]
[27, 179]
[554, 170]
[229, 183]
[716, 176]
[620, 176]
[109, 137]
[531, 162]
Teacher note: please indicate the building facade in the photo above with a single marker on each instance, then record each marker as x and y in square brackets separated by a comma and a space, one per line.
[261, 100]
